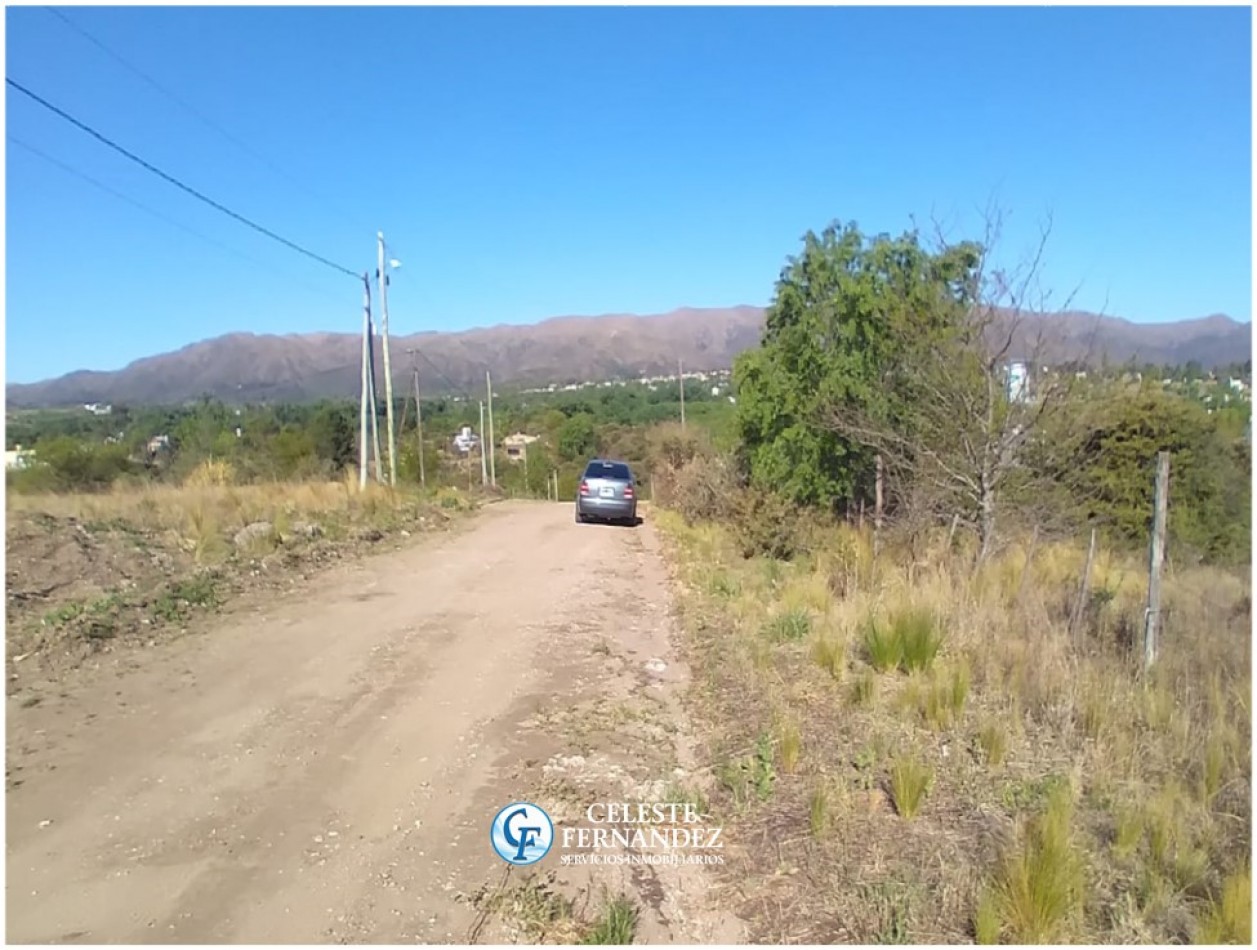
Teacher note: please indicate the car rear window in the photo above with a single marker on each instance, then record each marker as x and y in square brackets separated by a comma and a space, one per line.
[609, 470]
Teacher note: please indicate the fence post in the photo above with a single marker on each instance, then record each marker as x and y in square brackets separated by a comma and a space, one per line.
[1156, 560]
[1084, 588]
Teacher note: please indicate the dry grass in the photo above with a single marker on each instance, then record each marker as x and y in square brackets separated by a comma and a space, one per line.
[1003, 711]
[129, 565]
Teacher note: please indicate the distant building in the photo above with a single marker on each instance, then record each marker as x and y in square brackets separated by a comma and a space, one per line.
[516, 445]
[466, 440]
[18, 458]
[1018, 382]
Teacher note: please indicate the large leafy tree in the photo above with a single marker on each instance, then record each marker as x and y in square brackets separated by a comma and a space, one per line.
[850, 317]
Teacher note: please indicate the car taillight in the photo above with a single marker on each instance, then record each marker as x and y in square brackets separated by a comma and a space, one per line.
[628, 491]
[584, 488]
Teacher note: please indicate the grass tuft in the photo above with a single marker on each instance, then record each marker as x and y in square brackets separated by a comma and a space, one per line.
[863, 689]
[910, 782]
[1230, 919]
[1041, 884]
[919, 638]
[884, 649]
[788, 626]
[790, 742]
[616, 925]
[829, 652]
[993, 740]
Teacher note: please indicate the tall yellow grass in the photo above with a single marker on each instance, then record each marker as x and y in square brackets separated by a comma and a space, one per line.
[1159, 759]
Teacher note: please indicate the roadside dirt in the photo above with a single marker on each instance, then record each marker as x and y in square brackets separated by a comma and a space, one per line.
[324, 767]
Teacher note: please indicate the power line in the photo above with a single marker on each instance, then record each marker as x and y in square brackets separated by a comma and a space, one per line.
[458, 390]
[244, 147]
[108, 189]
[176, 182]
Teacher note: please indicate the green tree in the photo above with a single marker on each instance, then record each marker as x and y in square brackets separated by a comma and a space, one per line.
[1104, 455]
[577, 437]
[848, 315]
[335, 439]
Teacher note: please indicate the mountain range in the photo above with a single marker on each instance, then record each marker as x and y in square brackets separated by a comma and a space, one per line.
[246, 367]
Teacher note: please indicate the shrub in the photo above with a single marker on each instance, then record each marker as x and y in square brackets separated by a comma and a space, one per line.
[703, 488]
[768, 526]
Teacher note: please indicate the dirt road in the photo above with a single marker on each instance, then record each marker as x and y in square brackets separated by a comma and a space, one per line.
[324, 767]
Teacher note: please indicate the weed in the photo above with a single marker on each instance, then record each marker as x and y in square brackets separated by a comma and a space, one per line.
[173, 605]
[722, 585]
[542, 912]
[910, 782]
[892, 911]
[865, 761]
[682, 795]
[63, 615]
[763, 776]
[788, 626]
[753, 774]
[616, 925]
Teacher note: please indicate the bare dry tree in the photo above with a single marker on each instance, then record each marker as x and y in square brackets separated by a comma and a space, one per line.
[959, 442]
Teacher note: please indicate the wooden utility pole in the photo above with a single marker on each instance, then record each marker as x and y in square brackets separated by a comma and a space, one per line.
[484, 466]
[493, 469]
[362, 412]
[388, 374]
[681, 385]
[1156, 560]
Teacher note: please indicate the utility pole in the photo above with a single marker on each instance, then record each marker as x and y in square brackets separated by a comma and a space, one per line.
[484, 469]
[362, 412]
[681, 384]
[375, 405]
[493, 469]
[388, 375]
[423, 481]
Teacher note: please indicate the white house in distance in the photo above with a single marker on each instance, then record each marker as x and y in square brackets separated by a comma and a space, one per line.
[17, 458]
[1018, 382]
[466, 440]
[516, 445]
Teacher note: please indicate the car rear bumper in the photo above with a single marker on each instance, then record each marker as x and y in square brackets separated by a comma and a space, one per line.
[595, 507]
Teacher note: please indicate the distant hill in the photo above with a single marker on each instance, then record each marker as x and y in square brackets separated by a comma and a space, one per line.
[244, 367]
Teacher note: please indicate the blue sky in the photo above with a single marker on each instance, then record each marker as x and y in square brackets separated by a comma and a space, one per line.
[528, 163]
